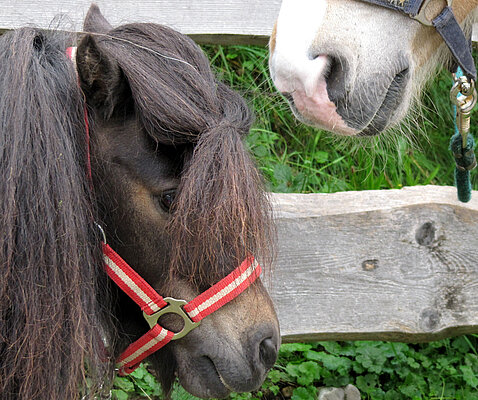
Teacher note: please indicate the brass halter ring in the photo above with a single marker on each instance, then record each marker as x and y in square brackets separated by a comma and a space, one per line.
[174, 307]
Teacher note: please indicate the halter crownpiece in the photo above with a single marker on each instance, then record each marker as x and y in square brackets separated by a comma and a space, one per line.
[445, 23]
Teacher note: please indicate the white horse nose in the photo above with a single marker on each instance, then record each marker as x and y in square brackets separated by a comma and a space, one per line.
[293, 72]
[292, 66]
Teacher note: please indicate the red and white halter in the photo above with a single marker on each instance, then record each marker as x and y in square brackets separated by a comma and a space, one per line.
[154, 305]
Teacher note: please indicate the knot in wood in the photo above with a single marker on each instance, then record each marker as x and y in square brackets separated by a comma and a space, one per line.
[425, 234]
[370, 265]
[429, 319]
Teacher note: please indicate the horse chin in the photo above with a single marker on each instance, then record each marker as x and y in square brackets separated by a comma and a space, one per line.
[202, 379]
[208, 377]
[351, 115]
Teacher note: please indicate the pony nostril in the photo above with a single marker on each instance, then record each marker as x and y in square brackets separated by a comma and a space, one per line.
[268, 352]
[336, 78]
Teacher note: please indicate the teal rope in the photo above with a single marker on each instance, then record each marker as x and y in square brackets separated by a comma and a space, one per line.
[464, 158]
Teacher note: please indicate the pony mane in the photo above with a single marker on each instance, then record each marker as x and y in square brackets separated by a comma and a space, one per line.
[221, 213]
[50, 259]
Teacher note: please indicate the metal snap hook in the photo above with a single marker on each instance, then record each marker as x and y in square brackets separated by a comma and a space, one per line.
[101, 231]
[464, 96]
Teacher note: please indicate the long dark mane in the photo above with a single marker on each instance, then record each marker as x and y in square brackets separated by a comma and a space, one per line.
[50, 313]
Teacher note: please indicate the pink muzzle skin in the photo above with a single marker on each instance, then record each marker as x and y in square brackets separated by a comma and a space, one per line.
[305, 83]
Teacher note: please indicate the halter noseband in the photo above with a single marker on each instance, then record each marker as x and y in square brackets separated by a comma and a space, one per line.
[154, 305]
[446, 25]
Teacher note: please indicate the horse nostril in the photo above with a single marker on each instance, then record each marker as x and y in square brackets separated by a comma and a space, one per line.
[268, 352]
[336, 78]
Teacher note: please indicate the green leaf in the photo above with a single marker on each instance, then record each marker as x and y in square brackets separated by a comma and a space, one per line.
[331, 362]
[260, 151]
[367, 383]
[293, 370]
[274, 389]
[249, 65]
[282, 173]
[308, 372]
[276, 376]
[321, 156]
[139, 373]
[119, 394]
[469, 376]
[123, 383]
[292, 347]
[372, 358]
[412, 362]
[338, 348]
[302, 393]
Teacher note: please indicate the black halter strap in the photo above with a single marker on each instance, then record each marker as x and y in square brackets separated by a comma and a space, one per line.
[445, 24]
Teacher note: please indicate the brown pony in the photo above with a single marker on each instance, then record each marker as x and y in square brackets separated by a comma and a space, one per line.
[173, 187]
[354, 68]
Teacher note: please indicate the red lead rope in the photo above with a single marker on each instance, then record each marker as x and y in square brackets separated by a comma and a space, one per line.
[153, 305]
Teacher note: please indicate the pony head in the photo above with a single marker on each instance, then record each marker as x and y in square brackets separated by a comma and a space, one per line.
[172, 185]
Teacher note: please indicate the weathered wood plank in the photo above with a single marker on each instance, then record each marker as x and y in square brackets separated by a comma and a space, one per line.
[376, 265]
[208, 21]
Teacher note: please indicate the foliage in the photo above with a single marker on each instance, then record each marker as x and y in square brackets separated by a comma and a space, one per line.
[296, 158]
[139, 383]
[446, 369]
[441, 370]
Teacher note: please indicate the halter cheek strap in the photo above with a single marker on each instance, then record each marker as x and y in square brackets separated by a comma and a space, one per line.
[154, 306]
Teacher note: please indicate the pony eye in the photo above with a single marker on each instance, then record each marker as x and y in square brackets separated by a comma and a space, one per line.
[166, 199]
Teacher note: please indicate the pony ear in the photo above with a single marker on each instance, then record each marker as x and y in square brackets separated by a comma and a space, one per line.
[95, 22]
[100, 76]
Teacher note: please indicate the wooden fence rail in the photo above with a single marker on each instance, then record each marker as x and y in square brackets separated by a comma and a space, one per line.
[391, 265]
[379, 265]
[207, 21]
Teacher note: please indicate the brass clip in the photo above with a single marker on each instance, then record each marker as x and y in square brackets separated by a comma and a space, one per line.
[464, 96]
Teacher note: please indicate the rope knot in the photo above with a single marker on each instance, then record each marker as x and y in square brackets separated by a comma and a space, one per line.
[464, 156]
[465, 161]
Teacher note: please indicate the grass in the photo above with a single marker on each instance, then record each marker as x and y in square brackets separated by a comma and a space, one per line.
[296, 158]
